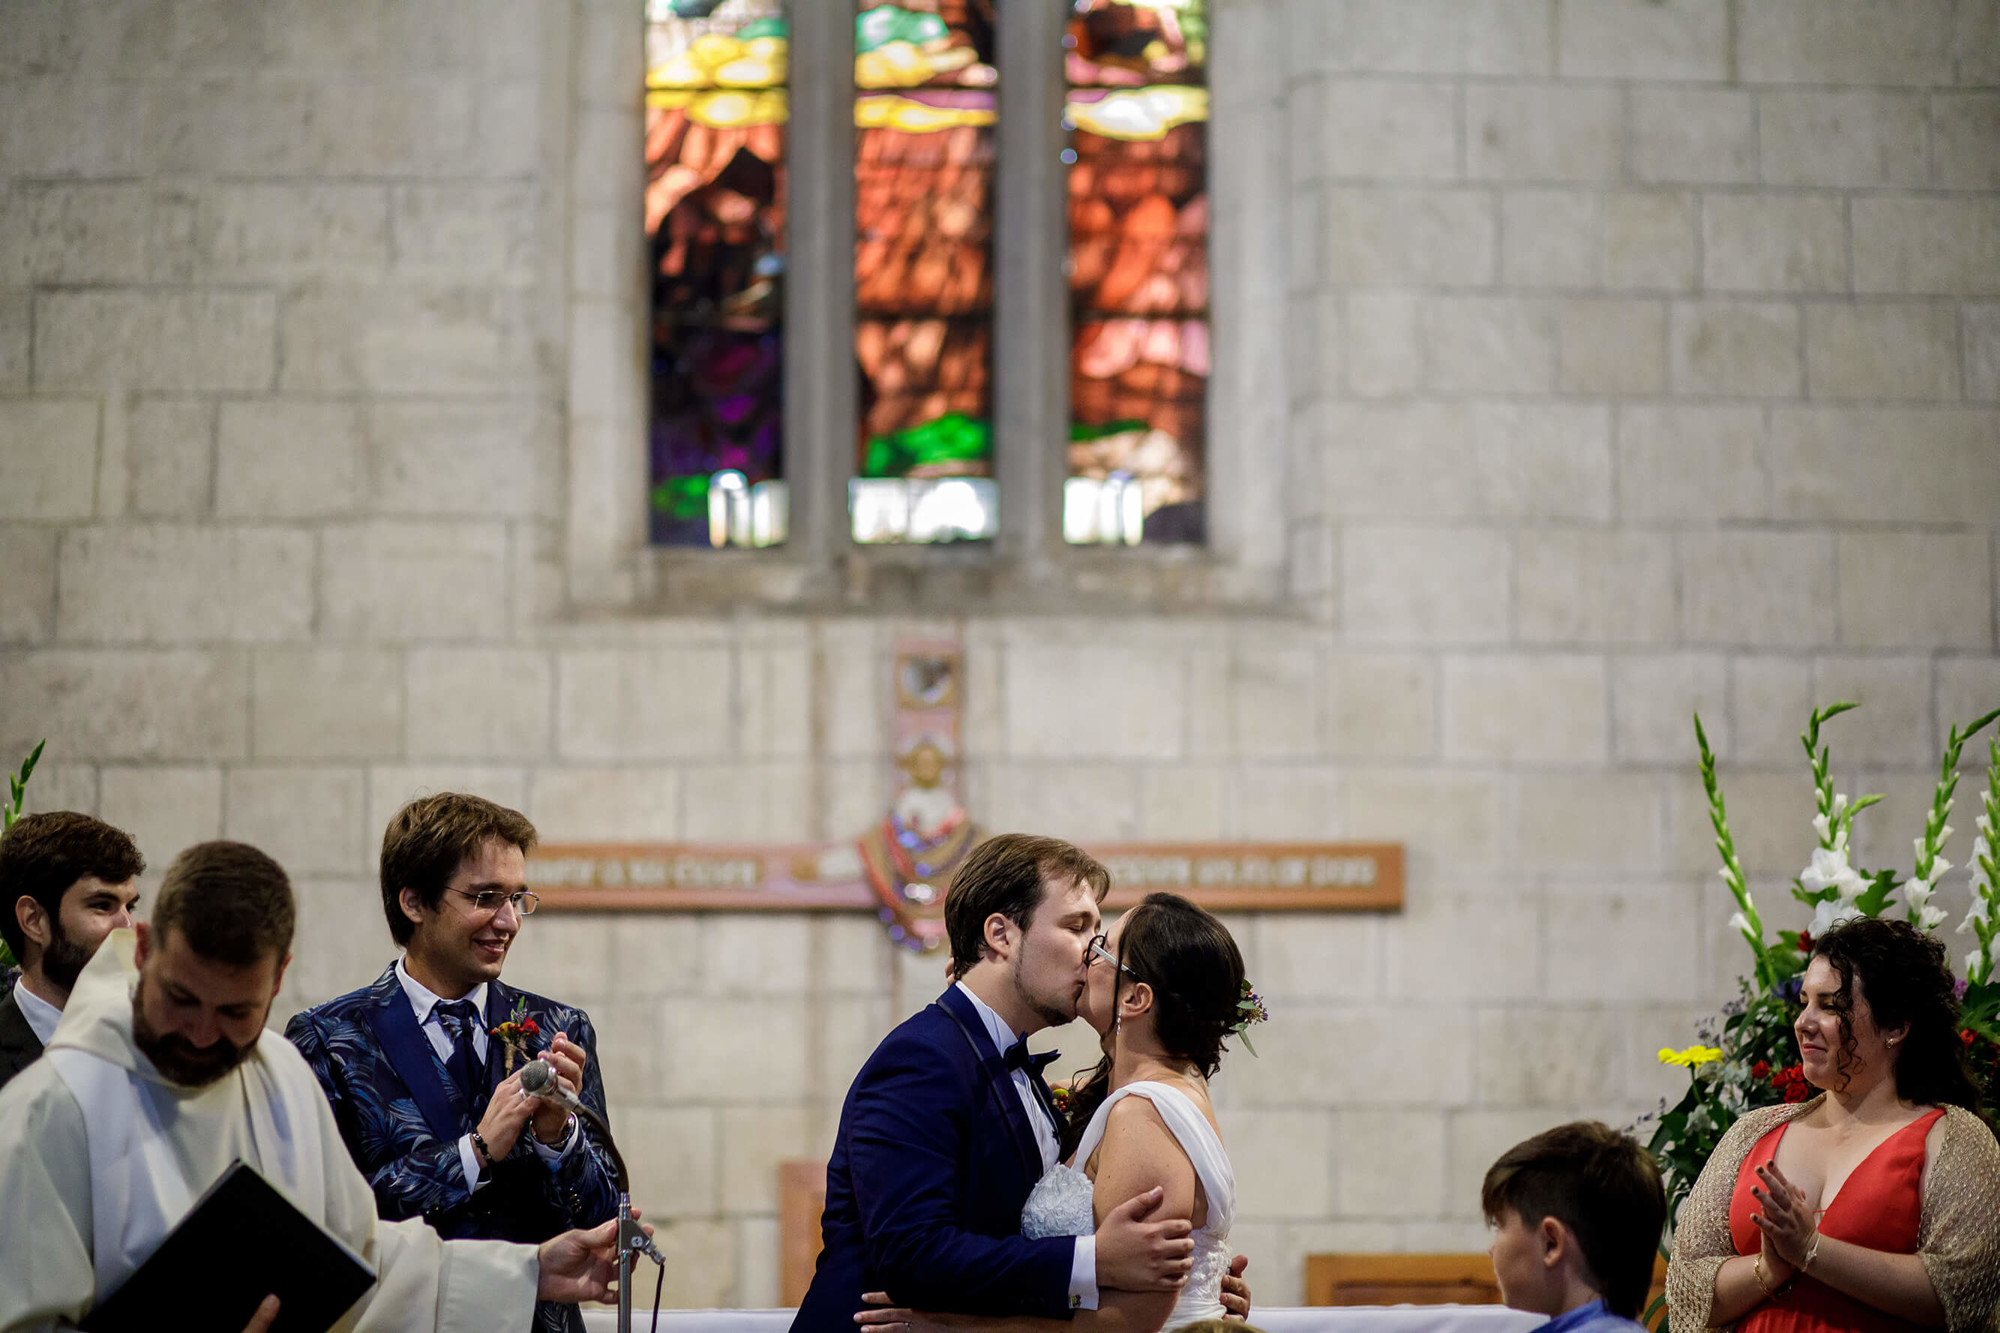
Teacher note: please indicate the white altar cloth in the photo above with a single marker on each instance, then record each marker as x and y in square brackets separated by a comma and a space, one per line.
[1300, 1319]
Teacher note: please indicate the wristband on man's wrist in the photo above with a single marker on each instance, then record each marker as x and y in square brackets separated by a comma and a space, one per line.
[569, 1123]
[485, 1153]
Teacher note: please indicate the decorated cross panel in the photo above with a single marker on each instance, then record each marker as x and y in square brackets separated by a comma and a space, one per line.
[899, 868]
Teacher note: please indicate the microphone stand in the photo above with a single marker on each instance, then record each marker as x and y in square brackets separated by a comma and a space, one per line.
[632, 1238]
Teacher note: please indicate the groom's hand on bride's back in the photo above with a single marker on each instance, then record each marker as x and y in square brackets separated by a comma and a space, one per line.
[1135, 1253]
[1235, 1291]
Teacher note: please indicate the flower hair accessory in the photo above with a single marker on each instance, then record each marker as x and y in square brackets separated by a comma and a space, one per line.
[1249, 1009]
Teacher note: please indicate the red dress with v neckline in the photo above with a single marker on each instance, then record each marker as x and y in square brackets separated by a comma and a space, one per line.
[1879, 1205]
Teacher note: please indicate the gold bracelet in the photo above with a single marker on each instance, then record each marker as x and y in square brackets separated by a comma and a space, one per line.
[1757, 1271]
[1811, 1254]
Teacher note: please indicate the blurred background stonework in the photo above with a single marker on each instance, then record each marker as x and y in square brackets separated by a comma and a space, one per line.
[1624, 358]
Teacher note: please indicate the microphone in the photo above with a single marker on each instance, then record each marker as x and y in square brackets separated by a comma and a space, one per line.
[539, 1080]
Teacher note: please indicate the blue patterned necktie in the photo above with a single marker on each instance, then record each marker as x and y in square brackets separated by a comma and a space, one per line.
[458, 1017]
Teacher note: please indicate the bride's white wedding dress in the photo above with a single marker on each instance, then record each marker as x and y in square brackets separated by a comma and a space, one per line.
[1060, 1203]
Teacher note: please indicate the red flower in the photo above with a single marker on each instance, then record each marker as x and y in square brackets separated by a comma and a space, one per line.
[1760, 1070]
[528, 1026]
[1965, 1036]
[1793, 1076]
[1797, 1092]
[1805, 941]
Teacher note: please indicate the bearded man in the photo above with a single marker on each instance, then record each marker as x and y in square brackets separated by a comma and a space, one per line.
[66, 881]
[162, 1074]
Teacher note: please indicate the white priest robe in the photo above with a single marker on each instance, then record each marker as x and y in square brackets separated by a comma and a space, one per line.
[100, 1156]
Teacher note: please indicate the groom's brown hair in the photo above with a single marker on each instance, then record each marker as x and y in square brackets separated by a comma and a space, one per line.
[1005, 874]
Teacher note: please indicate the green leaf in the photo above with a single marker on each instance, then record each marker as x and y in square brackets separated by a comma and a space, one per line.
[1877, 897]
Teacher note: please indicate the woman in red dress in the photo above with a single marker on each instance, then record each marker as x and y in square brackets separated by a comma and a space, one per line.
[1876, 1205]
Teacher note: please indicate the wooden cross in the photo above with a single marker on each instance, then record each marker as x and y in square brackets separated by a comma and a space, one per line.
[899, 869]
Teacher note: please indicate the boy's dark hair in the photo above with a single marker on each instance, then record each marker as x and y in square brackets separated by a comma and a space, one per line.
[41, 856]
[1601, 1185]
[1005, 874]
[230, 902]
[430, 838]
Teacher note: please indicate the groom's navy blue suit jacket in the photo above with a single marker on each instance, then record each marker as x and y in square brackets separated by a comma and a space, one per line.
[934, 1159]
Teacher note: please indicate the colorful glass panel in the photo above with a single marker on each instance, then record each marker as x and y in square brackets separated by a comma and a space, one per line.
[1137, 113]
[925, 89]
[716, 105]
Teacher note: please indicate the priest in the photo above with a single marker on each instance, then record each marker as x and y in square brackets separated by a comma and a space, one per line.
[161, 1074]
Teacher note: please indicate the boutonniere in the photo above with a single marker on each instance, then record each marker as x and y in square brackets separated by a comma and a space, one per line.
[515, 1035]
[1060, 1094]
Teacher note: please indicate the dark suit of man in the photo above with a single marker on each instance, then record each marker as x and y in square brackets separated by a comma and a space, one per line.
[19, 1046]
[402, 1117]
[934, 1160]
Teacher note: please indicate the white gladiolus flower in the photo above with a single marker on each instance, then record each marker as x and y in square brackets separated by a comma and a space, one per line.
[1972, 961]
[1975, 918]
[1824, 828]
[1929, 918]
[1918, 893]
[1825, 868]
[1742, 925]
[1831, 913]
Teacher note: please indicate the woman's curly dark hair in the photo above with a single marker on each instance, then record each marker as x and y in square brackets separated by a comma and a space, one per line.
[1905, 975]
[1196, 971]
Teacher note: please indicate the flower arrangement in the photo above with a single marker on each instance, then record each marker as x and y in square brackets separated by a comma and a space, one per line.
[10, 810]
[1748, 1057]
[516, 1035]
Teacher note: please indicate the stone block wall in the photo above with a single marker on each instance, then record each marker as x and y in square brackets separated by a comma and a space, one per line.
[1646, 359]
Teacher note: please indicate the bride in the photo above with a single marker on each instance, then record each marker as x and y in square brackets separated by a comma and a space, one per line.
[1164, 989]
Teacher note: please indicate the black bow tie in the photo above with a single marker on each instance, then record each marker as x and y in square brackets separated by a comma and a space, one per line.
[1017, 1057]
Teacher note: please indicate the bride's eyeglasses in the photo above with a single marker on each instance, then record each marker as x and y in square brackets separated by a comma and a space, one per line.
[1097, 948]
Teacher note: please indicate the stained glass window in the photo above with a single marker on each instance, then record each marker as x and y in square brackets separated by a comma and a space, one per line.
[1137, 114]
[925, 90]
[715, 224]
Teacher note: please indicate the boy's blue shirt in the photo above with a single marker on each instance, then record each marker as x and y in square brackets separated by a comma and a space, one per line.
[1590, 1318]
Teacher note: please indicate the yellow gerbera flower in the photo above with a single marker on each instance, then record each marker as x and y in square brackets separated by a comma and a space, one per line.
[1692, 1056]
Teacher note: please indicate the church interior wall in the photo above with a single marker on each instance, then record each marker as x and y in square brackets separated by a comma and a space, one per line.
[1643, 357]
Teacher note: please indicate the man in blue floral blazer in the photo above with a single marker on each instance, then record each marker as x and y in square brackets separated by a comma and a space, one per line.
[424, 1066]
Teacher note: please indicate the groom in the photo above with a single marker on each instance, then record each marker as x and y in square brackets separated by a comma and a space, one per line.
[949, 1125]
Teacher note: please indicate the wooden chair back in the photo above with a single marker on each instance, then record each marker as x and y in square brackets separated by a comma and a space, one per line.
[1415, 1279]
[801, 1200]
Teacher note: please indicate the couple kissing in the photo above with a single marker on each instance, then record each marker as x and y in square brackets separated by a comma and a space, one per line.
[959, 1195]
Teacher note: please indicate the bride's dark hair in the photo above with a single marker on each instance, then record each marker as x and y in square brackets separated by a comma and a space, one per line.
[1196, 972]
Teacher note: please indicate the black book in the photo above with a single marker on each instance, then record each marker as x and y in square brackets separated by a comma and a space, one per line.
[242, 1241]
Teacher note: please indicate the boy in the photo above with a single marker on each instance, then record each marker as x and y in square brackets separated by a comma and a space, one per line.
[1577, 1212]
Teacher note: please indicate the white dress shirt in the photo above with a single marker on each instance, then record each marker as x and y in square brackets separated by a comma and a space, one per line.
[41, 1015]
[1083, 1265]
[425, 1002]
